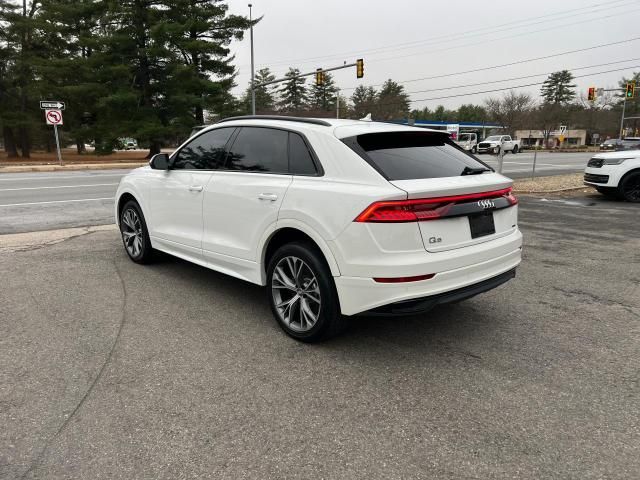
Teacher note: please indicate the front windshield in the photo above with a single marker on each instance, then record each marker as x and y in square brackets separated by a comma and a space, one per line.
[465, 137]
[494, 138]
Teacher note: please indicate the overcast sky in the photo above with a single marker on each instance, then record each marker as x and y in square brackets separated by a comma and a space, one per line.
[411, 39]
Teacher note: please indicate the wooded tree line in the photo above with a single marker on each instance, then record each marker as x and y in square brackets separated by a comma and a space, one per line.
[558, 103]
[152, 69]
[147, 69]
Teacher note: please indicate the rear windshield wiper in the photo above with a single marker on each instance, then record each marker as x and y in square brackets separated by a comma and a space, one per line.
[474, 171]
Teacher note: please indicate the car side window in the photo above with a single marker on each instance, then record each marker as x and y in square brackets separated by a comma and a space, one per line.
[205, 152]
[300, 159]
[258, 149]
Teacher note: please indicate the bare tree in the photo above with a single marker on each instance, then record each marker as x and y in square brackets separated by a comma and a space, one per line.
[511, 111]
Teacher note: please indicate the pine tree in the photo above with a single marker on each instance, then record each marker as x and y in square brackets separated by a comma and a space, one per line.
[293, 94]
[393, 102]
[323, 97]
[363, 99]
[265, 95]
[558, 89]
[199, 33]
[66, 70]
[19, 41]
[8, 92]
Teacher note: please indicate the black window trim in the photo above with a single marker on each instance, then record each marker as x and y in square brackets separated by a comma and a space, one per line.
[314, 157]
[352, 143]
[174, 155]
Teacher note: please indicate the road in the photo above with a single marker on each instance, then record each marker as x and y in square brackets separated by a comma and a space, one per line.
[42, 201]
[115, 370]
[547, 163]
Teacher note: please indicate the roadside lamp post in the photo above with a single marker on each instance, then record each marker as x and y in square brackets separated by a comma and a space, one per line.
[253, 88]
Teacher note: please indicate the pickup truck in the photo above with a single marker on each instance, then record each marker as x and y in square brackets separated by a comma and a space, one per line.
[492, 144]
[468, 142]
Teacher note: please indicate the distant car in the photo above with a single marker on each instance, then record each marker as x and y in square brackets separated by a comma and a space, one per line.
[130, 146]
[611, 144]
[334, 217]
[631, 143]
[468, 142]
[615, 174]
[493, 144]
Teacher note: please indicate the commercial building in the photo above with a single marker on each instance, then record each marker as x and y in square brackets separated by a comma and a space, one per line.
[535, 138]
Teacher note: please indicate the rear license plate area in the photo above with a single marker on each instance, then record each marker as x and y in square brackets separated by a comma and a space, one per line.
[482, 224]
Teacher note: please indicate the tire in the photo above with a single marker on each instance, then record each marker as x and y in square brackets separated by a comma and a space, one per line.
[610, 192]
[474, 150]
[515, 149]
[496, 150]
[134, 233]
[316, 315]
[629, 187]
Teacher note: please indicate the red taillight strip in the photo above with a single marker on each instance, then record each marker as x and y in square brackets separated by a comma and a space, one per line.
[417, 278]
[402, 210]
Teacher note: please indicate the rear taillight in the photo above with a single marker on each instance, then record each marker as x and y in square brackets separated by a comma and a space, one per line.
[394, 211]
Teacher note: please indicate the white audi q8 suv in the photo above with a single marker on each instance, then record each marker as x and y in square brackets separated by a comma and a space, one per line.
[334, 217]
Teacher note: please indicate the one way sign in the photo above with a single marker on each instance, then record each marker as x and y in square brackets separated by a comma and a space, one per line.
[51, 104]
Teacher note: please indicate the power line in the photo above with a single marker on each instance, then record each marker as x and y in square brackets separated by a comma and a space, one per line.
[492, 29]
[512, 87]
[510, 64]
[473, 44]
[518, 78]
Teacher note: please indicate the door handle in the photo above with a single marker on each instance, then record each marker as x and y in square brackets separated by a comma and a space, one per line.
[195, 188]
[268, 196]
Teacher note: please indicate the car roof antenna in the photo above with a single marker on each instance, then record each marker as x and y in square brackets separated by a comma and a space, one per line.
[367, 118]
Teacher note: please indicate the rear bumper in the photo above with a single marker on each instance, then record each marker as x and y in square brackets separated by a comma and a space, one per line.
[358, 294]
[422, 305]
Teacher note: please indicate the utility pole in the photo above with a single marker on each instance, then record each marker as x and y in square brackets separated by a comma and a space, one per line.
[338, 104]
[624, 106]
[253, 73]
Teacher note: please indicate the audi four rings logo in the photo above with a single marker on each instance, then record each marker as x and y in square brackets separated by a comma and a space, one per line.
[486, 204]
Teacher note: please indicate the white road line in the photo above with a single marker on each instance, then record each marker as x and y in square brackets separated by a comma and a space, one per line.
[11, 178]
[59, 186]
[56, 201]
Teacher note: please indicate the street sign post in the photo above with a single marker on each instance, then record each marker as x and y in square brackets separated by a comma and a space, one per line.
[51, 105]
[54, 117]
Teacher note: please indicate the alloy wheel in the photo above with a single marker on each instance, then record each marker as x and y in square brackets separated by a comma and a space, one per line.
[131, 228]
[296, 294]
[631, 189]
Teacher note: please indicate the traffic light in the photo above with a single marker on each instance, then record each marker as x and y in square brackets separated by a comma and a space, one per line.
[591, 96]
[360, 68]
[319, 77]
[631, 90]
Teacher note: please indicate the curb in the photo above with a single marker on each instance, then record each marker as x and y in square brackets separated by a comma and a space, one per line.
[70, 167]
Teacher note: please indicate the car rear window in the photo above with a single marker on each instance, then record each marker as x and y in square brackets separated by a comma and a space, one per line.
[414, 155]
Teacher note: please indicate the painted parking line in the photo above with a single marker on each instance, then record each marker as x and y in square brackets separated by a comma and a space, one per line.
[56, 201]
[11, 178]
[58, 186]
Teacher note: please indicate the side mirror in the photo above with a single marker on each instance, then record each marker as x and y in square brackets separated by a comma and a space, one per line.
[160, 161]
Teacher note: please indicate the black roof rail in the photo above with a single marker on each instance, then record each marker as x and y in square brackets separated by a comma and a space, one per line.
[314, 121]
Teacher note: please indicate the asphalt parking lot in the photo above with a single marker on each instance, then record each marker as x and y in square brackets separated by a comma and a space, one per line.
[113, 370]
